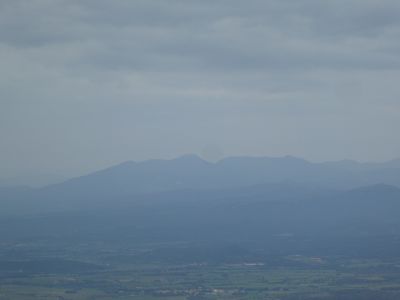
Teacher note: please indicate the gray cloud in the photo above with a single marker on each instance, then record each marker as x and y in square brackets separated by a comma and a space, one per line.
[85, 84]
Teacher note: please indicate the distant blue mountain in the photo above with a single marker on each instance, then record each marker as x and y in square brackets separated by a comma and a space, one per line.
[238, 175]
[191, 172]
[284, 205]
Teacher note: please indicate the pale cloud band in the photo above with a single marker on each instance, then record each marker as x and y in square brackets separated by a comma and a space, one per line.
[84, 84]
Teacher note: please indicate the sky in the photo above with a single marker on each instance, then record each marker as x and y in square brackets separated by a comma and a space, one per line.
[85, 84]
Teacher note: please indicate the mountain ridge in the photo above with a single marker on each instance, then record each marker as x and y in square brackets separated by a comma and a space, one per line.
[191, 171]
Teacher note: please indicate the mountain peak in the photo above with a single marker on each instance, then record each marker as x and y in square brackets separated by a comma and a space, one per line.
[127, 163]
[189, 158]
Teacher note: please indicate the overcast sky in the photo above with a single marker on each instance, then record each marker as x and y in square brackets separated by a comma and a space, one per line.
[89, 83]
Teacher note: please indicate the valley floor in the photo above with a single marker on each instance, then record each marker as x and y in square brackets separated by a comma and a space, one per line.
[75, 275]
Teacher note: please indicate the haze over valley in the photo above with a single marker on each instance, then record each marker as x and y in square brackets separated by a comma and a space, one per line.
[199, 150]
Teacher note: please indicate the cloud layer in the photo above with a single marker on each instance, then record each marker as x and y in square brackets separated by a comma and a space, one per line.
[85, 84]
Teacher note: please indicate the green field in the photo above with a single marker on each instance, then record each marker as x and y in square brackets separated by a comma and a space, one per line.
[81, 274]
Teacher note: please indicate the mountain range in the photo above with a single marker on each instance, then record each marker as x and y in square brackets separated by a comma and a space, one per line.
[191, 172]
[286, 203]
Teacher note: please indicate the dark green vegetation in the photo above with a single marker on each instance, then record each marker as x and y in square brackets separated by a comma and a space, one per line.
[214, 235]
[107, 271]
